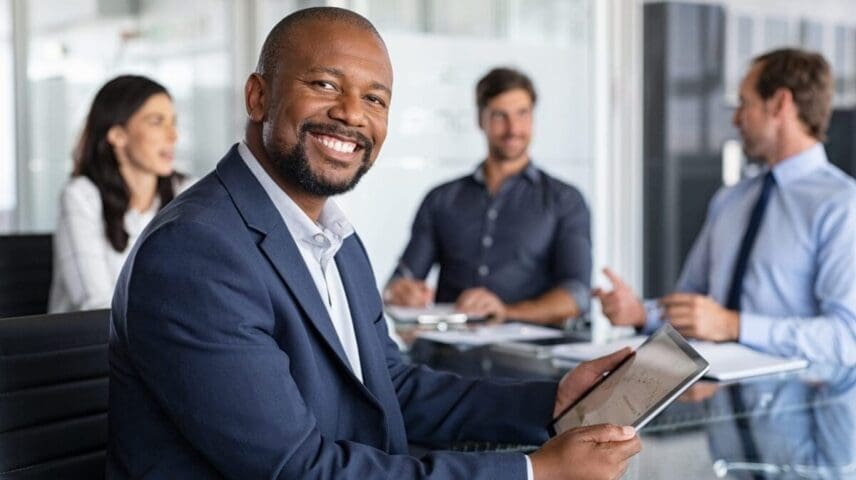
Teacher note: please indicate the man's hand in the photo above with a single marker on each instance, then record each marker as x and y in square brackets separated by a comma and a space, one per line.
[596, 452]
[481, 302]
[579, 380]
[699, 392]
[408, 292]
[698, 316]
[620, 305]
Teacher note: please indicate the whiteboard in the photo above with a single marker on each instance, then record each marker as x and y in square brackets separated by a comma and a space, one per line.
[434, 136]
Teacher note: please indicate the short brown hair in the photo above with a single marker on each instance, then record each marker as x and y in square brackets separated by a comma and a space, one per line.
[807, 75]
[500, 80]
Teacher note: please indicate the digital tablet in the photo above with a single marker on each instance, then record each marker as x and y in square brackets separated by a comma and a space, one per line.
[640, 387]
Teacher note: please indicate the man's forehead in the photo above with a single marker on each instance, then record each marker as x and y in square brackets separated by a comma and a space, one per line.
[751, 77]
[514, 98]
[335, 35]
[320, 44]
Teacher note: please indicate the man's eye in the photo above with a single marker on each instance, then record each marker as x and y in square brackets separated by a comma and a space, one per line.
[376, 100]
[324, 85]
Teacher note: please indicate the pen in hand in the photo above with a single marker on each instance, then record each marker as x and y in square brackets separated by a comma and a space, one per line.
[415, 291]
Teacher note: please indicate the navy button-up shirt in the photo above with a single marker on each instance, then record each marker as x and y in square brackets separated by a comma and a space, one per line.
[532, 236]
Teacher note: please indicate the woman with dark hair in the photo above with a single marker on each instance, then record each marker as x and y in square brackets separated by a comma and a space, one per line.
[123, 174]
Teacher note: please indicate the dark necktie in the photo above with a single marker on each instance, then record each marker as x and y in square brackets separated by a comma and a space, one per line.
[750, 451]
[736, 288]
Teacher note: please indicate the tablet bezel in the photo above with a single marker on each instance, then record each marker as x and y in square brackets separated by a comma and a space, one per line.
[702, 366]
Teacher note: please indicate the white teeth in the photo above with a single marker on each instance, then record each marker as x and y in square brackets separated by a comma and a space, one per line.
[337, 145]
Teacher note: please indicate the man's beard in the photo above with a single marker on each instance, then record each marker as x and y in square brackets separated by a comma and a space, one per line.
[293, 164]
[504, 155]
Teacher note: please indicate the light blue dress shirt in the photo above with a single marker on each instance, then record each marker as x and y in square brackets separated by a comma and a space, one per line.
[799, 291]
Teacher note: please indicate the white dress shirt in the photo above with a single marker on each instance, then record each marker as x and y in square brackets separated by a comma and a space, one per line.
[318, 244]
[85, 265]
[799, 291]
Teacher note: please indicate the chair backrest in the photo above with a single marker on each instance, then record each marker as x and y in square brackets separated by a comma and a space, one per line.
[53, 395]
[26, 266]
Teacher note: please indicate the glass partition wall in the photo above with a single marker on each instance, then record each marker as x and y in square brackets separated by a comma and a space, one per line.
[202, 51]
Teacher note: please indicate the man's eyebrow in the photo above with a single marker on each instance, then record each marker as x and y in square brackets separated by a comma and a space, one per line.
[331, 70]
[339, 74]
[380, 86]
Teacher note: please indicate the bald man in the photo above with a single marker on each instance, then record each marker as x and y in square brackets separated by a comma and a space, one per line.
[247, 337]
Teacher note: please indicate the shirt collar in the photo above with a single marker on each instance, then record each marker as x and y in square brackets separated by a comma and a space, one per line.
[530, 172]
[325, 237]
[800, 165]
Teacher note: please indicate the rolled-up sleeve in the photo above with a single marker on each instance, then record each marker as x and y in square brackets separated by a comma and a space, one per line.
[572, 262]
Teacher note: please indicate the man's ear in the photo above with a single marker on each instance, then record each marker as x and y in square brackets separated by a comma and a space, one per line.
[117, 137]
[256, 97]
[781, 101]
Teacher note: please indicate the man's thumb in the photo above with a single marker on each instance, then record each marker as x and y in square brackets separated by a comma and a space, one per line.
[608, 433]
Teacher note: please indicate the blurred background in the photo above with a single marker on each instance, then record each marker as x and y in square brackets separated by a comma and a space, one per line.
[635, 98]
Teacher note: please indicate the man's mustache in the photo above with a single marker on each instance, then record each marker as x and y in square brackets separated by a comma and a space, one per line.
[337, 130]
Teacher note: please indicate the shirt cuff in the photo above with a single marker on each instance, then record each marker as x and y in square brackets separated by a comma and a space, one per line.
[755, 330]
[580, 292]
[530, 474]
[653, 316]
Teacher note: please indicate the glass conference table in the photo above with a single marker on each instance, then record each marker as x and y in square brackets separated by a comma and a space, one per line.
[797, 425]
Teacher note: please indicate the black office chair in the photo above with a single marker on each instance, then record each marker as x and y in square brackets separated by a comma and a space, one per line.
[53, 396]
[26, 267]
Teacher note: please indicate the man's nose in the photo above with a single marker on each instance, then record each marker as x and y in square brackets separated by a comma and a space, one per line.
[348, 109]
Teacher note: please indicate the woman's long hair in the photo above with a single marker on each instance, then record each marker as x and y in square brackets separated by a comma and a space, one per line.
[115, 104]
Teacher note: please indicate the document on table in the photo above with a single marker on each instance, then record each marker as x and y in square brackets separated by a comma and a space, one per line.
[438, 313]
[728, 361]
[489, 334]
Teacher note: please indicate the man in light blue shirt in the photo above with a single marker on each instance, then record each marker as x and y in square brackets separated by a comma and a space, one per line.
[774, 266]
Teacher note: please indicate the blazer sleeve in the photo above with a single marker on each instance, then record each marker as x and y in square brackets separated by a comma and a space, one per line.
[199, 328]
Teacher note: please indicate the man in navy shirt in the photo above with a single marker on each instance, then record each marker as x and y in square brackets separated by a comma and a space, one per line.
[511, 241]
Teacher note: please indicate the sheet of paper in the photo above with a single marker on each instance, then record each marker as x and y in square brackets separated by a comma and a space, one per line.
[732, 361]
[488, 334]
[728, 361]
[441, 312]
[587, 351]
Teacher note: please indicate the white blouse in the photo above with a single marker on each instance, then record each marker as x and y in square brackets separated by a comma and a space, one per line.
[85, 265]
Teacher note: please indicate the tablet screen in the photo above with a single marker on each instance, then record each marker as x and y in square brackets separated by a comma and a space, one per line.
[641, 386]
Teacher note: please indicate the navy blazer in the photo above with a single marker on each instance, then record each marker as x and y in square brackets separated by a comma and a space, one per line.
[224, 361]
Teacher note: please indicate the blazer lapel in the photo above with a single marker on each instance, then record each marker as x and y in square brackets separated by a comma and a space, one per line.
[261, 215]
[361, 289]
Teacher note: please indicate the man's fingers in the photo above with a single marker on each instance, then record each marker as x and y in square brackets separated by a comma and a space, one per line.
[675, 312]
[687, 330]
[608, 362]
[613, 277]
[607, 433]
[621, 451]
[469, 300]
[677, 299]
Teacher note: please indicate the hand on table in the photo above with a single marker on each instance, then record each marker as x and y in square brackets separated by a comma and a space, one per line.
[408, 292]
[481, 302]
[699, 316]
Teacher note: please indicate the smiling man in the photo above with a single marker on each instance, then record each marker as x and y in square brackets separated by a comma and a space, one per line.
[511, 241]
[247, 335]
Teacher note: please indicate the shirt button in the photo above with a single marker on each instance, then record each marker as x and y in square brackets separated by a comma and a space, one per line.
[487, 241]
[319, 238]
[484, 270]
[491, 214]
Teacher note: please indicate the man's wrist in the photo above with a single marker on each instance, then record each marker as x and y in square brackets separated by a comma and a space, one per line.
[735, 325]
